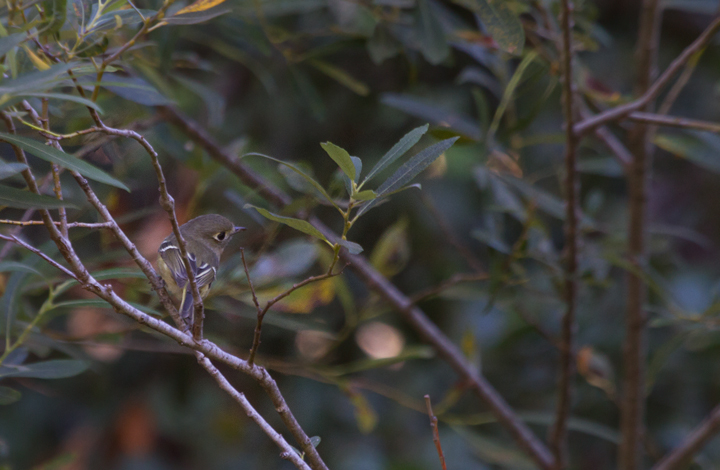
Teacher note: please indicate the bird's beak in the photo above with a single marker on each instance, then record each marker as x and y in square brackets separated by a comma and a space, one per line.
[238, 229]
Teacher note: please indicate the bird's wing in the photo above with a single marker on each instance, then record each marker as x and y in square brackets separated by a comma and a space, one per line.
[170, 253]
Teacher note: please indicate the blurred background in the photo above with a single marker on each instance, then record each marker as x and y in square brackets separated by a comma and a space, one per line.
[281, 76]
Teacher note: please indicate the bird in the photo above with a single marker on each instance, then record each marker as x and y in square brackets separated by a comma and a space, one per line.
[205, 238]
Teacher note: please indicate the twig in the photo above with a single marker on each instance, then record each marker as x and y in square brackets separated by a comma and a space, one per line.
[558, 433]
[673, 121]
[622, 111]
[287, 452]
[632, 408]
[50, 261]
[525, 438]
[452, 281]
[681, 456]
[69, 225]
[436, 433]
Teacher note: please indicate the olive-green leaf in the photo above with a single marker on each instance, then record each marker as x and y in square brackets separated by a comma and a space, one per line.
[298, 224]
[398, 150]
[8, 395]
[433, 45]
[366, 195]
[352, 247]
[19, 199]
[501, 22]
[9, 169]
[9, 42]
[54, 369]
[63, 159]
[414, 166]
[341, 157]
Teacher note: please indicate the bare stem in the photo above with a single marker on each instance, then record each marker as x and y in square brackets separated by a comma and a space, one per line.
[672, 121]
[681, 456]
[436, 433]
[69, 225]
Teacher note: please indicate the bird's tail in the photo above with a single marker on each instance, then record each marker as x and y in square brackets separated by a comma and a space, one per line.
[186, 307]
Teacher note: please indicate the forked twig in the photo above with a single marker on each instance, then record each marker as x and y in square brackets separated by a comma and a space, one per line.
[436, 433]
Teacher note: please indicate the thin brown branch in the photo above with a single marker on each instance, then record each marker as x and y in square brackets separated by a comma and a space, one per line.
[673, 121]
[69, 225]
[653, 91]
[50, 261]
[632, 407]
[287, 451]
[436, 433]
[558, 433]
[681, 456]
[417, 319]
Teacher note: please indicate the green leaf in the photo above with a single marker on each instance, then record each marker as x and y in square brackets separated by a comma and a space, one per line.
[341, 76]
[56, 12]
[298, 224]
[9, 169]
[492, 450]
[352, 247]
[315, 441]
[64, 97]
[54, 369]
[459, 123]
[407, 354]
[20, 199]
[113, 273]
[7, 43]
[122, 17]
[101, 304]
[433, 45]
[135, 89]
[397, 150]
[341, 157]
[501, 22]
[63, 159]
[34, 81]
[197, 16]
[414, 166]
[297, 170]
[9, 395]
[366, 195]
[698, 147]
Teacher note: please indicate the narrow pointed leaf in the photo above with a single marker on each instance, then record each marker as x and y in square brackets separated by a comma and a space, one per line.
[297, 170]
[54, 369]
[366, 195]
[63, 159]
[341, 157]
[9, 169]
[65, 97]
[414, 166]
[501, 22]
[298, 224]
[20, 199]
[352, 247]
[398, 150]
[9, 42]
[8, 395]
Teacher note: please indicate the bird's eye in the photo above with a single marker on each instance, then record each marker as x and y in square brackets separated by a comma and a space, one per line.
[220, 236]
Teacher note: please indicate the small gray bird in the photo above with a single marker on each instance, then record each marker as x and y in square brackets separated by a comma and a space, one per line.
[205, 237]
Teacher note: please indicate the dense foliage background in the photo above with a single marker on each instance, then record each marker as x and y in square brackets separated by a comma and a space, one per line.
[479, 245]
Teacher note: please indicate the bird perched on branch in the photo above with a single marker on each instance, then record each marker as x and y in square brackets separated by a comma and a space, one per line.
[205, 238]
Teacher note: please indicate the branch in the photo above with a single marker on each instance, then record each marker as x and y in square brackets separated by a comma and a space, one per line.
[436, 433]
[653, 91]
[452, 281]
[681, 456]
[558, 434]
[632, 406]
[673, 121]
[50, 261]
[24, 223]
[288, 452]
[417, 319]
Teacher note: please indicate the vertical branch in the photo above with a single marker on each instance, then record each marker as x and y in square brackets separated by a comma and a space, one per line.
[632, 407]
[558, 437]
[436, 433]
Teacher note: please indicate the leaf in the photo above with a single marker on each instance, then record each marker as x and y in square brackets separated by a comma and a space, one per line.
[397, 150]
[352, 247]
[117, 19]
[697, 147]
[9, 169]
[9, 395]
[366, 195]
[35, 81]
[365, 415]
[463, 125]
[135, 89]
[213, 100]
[341, 76]
[200, 5]
[414, 166]
[315, 441]
[297, 170]
[298, 224]
[503, 25]
[65, 97]
[101, 304]
[493, 451]
[382, 45]
[113, 273]
[56, 12]
[63, 159]
[20, 199]
[410, 353]
[7, 43]
[303, 300]
[433, 45]
[392, 251]
[341, 157]
[53, 369]
[195, 17]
